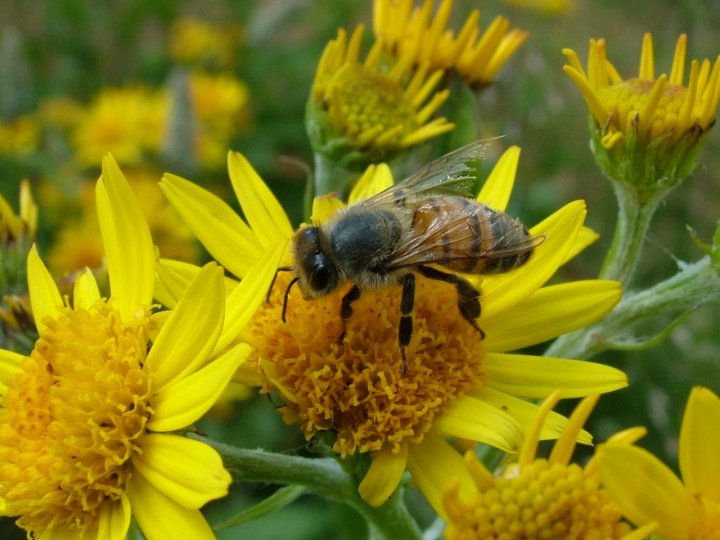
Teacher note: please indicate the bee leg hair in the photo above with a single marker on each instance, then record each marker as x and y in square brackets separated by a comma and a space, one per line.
[346, 308]
[468, 296]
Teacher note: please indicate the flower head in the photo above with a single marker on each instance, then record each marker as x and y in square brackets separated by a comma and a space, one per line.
[17, 233]
[125, 121]
[538, 497]
[201, 44]
[368, 111]
[455, 383]
[87, 416]
[647, 123]
[648, 491]
[422, 37]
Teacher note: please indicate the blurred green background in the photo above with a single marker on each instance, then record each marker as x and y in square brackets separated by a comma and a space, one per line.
[76, 50]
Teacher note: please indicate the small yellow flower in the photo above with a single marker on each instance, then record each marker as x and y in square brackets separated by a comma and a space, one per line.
[20, 227]
[19, 136]
[374, 108]
[88, 417]
[540, 497]
[198, 43]
[455, 385]
[128, 122]
[220, 105]
[647, 125]
[17, 233]
[648, 491]
[419, 35]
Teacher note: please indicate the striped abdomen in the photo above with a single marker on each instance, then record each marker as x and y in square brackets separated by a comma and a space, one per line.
[468, 237]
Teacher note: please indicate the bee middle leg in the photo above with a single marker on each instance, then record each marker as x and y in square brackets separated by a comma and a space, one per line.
[346, 308]
[468, 296]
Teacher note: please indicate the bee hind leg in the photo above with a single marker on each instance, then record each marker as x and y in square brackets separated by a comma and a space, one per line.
[346, 308]
[468, 296]
[405, 327]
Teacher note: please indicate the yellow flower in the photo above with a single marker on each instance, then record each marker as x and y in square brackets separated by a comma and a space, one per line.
[128, 122]
[20, 227]
[646, 129]
[424, 39]
[539, 497]
[220, 104]
[199, 43]
[19, 136]
[87, 418]
[374, 108]
[545, 7]
[17, 233]
[647, 491]
[455, 384]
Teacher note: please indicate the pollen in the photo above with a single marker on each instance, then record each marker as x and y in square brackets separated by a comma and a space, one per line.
[70, 420]
[356, 387]
[544, 501]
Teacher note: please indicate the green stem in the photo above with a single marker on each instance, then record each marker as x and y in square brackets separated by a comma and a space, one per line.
[695, 284]
[635, 211]
[330, 176]
[323, 476]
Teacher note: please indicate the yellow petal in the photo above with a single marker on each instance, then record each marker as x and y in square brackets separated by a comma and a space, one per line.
[645, 489]
[226, 237]
[85, 292]
[528, 451]
[325, 207]
[126, 240]
[189, 472]
[700, 443]
[114, 519]
[183, 401]
[537, 376]
[585, 237]
[560, 230]
[565, 445]
[476, 420]
[383, 477]
[375, 179]
[526, 413]
[160, 517]
[550, 312]
[173, 277]
[433, 463]
[244, 300]
[191, 330]
[10, 364]
[45, 299]
[262, 210]
[498, 187]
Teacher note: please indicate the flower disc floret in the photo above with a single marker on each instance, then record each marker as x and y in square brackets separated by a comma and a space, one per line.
[72, 416]
[358, 387]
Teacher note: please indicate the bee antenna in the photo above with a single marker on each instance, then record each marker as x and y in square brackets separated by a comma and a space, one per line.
[272, 283]
[287, 294]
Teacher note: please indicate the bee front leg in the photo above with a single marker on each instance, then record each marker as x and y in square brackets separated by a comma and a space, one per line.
[405, 328]
[468, 296]
[346, 308]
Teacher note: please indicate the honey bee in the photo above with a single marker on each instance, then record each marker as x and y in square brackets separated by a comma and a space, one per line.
[421, 223]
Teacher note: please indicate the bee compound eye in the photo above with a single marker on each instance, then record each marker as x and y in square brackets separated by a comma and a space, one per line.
[322, 275]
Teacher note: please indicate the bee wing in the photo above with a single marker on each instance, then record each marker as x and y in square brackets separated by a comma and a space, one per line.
[449, 174]
[450, 237]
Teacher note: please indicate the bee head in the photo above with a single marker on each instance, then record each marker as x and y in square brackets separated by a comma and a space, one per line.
[316, 271]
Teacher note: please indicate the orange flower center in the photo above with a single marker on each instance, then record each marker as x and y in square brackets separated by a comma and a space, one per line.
[69, 421]
[357, 388]
[542, 501]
